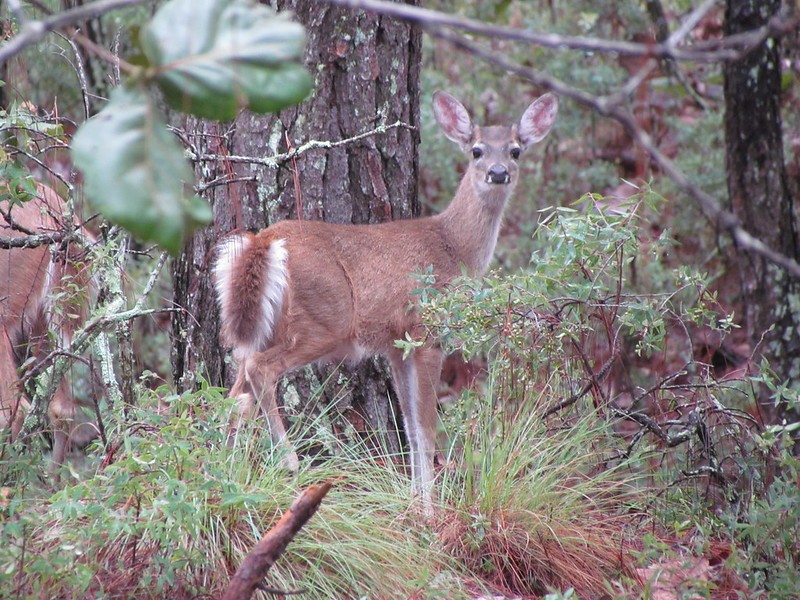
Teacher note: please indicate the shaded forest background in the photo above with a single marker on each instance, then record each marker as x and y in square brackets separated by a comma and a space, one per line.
[630, 311]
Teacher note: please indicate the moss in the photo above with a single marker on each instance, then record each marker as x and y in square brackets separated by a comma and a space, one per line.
[268, 199]
[362, 37]
[291, 398]
[311, 377]
[276, 137]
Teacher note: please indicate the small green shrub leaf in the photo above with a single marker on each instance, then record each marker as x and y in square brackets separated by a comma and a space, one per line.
[214, 57]
[135, 171]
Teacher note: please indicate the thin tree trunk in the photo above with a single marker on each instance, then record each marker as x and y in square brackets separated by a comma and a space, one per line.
[367, 72]
[760, 195]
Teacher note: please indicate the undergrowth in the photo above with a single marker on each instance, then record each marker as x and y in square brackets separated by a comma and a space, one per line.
[597, 454]
[169, 510]
[537, 504]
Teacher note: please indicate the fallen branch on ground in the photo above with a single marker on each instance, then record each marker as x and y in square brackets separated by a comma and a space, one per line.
[255, 566]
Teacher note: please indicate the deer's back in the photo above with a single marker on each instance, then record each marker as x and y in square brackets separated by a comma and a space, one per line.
[356, 280]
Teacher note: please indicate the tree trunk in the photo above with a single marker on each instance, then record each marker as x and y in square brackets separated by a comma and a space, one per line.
[760, 195]
[367, 72]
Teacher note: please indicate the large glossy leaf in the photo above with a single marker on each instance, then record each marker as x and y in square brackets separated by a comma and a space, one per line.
[135, 171]
[213, 57]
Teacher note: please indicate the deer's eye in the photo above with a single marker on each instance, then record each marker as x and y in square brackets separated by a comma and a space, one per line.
[515, 152]
[477, 152]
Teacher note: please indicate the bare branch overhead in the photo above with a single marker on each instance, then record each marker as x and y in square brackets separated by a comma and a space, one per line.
[728, 48]
[35, 30]
[614, 105]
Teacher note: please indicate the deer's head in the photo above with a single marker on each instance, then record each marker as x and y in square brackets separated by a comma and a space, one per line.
[494, 151]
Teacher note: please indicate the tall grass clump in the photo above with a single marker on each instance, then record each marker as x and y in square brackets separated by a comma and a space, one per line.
[537, 505]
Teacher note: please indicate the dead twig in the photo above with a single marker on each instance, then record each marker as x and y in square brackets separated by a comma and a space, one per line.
[255, 566]
[273, 162]
[32, 30]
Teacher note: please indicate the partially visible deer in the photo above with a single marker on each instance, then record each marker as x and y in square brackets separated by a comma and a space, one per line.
[303, 292]
[43, 296]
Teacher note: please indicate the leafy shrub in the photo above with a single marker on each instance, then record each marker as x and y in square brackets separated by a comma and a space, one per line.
[602, 329]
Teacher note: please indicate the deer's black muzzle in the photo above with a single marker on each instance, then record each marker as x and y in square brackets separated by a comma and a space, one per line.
[497, 174]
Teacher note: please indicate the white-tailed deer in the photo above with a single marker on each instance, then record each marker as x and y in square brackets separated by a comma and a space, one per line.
[43, 295]
[304, 292]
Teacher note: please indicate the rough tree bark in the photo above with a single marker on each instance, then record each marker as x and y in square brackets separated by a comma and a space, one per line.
[760, 196]
[366, 71]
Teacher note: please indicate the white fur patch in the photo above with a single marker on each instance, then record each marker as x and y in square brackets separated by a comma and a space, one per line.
[413, 426]
[228, 251]
[272, 298]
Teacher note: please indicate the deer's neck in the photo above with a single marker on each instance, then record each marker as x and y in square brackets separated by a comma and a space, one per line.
[472, 223]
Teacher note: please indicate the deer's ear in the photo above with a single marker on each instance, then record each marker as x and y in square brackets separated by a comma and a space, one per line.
[537, 119]
[453, 118]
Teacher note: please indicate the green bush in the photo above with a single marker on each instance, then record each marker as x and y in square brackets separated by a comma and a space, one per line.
[169, 510]
[601, 329]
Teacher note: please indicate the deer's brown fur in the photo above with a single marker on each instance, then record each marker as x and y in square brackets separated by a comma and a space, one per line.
[298, 293]
[43, 299]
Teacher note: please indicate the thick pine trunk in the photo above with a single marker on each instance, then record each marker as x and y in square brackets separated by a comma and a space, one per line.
[367, 71]
[760, 195]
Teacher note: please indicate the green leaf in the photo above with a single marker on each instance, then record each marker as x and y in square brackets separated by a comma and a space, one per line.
[134, 171]
[214, 57]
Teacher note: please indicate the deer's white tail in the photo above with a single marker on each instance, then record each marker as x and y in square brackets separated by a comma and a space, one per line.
[250, 278]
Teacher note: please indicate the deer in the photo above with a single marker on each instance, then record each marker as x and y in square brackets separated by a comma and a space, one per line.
[39, 312]
[303, 292]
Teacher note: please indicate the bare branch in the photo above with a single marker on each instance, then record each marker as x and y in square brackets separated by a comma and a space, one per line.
[729, 48]
[110, 57]
[663, 35]
[273, 162]
[690, 22]
[253, 568]
[32, 241]
[151, 282]
[33, 31]
[595, 379]
[83, 79]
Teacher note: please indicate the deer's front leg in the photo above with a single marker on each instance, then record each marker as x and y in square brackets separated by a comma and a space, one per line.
[416, 379]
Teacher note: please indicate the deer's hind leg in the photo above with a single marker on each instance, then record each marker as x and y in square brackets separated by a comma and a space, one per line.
[253, 392]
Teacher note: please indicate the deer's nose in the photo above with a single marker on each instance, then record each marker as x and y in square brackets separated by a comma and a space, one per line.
[497, 174]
